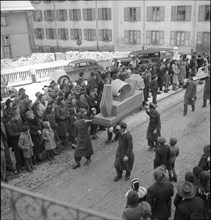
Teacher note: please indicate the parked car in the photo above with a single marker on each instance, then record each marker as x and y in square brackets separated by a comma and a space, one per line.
[84, 65]
[146, 56]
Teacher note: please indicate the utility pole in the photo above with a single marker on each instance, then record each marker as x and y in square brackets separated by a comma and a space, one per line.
[97, 31]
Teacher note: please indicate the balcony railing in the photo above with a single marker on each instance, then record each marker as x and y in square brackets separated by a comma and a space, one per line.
[19, 204]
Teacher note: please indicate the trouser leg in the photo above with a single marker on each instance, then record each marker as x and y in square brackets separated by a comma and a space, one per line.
[27, 164]
[3, 166]
[185, 109]
[128, 173]
[19, 158]
[193, 107]
[204, 102]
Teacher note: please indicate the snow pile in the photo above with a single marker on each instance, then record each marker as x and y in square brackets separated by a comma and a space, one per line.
[39, 58]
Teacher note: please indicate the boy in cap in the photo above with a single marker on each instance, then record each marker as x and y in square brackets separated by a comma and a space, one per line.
[25, 144]
[174, 152]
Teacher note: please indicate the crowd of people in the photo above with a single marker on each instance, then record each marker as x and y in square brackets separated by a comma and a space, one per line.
[63, 115]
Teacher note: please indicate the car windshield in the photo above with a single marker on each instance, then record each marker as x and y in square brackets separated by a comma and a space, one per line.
[71, 65]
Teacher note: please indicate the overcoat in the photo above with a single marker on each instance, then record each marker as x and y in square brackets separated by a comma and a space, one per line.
[83, 144]
[162, 155]
[190, 93]
[62, 114]
[206, 94]
[159, 197]
[48, 137]
[182, 69]
[125, 148]
[175, 74]
[25, 143]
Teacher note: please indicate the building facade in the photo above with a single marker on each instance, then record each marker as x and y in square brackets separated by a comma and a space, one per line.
[15, 36]
[121, 25]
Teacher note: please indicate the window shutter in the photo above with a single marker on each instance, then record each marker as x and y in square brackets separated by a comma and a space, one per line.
[126, 14]
[71, 34]
[201, 12]
[41, 18]
[187, 38]
[149, 13]
[42, 31]
[59, 34]
[100, 35]
[100, 16]
[54, 33]
[35, 32]
[66, 34]
[47, 33]
[45, 15]
[85, 34]
[110, 35]
[71, 14]
[161, 34]
[57, 15]
[52, 15]
[199, 37]
[65, 15]
[138, 13]
[172, 38]
[126, 36]
[173, 13]
[162, 13]
[188, 13]
[79, 14]
[148, 37]
[109, 13]
[34, 16]
[94, 34]
[84, 14]
[93, 14]
[138, 37]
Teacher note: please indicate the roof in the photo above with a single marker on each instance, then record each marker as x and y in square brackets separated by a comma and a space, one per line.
[149, 51]
[7, 6]
[82, 60]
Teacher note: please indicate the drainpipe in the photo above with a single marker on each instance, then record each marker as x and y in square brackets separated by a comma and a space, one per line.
[97, 30]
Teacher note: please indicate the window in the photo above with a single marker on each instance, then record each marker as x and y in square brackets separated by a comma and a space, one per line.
[61, 15]
[104, 14]
[155, 37]
[82, 65]
[155, 13]
[204, 13]
[76, 34]
[180, 13]
[5, 40]
[132, 14]
[75, 14]
[39, 33]
[63, 34]
[51, 33]
[132, 37]
[49, 15]
[37, 16]
[89, 14]
[7, 52]
[89, 34]
[180, 38]
[203, 38]
[4, 21]
[105, 35]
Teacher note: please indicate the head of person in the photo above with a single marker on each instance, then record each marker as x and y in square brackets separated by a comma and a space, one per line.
[206, 149]
[159, 175]
[94, 111]
[132, 199]
[50, 109]
[123, 127]
[73, 100]
[46, 124]
[83, 112]
[29, 103]
[61, 100]
[186, 190]
[8, 103]
[45, 89]
[30, 115]
[39, 95]
[25, 128]
[197, 170]
[189, 176]
[204, 178]
[15, 112]
[145, 210]
[173, 141]
[161, 140]
[135, 183]
[21, 91]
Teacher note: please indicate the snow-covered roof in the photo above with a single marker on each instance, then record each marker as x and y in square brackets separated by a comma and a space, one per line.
[7, 6]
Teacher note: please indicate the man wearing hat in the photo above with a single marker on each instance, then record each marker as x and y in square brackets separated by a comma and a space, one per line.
[124, 155]
[23, 99]
[154, 127]
[190, 203]
[190, 94]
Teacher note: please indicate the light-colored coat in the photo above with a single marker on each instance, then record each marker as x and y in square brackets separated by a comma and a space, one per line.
[25, 144]
[48, 137]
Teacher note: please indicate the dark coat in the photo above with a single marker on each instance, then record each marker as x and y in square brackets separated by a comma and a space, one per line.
[162, 155]
[132, 213]
[203, 162]
[125, 148]
[62, 114]
[34, 126]
[159, 197]
[83, 144]
[206, 94]
[190, 93]
[188, 206]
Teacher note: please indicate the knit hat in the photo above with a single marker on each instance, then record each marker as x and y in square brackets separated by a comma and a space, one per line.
[161, 140]
[173, 141]
[135, 183]
[189, 177]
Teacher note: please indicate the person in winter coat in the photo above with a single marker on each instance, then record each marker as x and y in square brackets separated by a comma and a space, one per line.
[25, 143]
[166, 78]
[190, 203]
[175, 79]
[124, 158]
[147, 79]
[174, 152]
[190, 94]
[141, 191]
[204, 162]
[159, 195]
[154, 127]
[83, 144]
[206, 94]
[62, 115]
[182, 73]
[49, 142]
[14, 127]
[154, 88]
[162, 153]
[35, 132]
[7, 110]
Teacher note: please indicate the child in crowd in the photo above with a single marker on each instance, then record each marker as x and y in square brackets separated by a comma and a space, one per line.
[25, 144]
[146, 211]
[174, 152]
[204, 162]
[49, 142]
[196, 171]
[141, 191]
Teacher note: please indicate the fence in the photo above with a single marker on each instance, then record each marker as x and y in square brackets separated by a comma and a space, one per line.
[18, 204]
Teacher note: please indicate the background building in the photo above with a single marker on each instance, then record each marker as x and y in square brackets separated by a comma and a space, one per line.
[15, 35]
